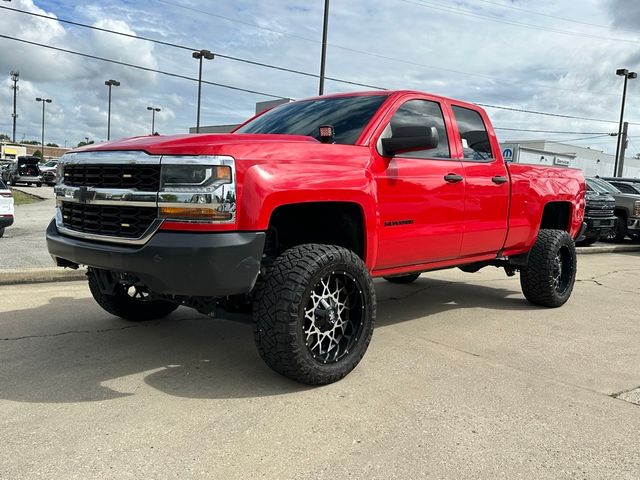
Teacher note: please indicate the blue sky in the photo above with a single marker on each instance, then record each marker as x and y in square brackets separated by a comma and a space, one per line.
[562, 59]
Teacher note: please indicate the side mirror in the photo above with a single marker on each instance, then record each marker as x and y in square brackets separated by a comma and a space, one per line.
[407, 138]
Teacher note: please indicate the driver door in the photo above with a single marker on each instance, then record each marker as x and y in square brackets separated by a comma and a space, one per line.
[420, 193]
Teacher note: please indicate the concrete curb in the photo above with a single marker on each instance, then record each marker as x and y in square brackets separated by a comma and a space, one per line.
[40, 275]
[609, 249]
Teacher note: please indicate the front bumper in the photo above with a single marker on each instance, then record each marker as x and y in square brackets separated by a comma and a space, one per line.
[6, 221]
[173, 263]
[633, 226]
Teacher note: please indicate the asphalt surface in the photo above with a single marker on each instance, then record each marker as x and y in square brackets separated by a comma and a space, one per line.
[24, 244]
[463, 379]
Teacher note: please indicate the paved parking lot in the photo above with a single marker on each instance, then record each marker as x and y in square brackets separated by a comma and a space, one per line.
[463, 379]
[24, 244]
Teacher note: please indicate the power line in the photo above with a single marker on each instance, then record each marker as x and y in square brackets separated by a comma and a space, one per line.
[565, 19]
[579, 139]
[256, 92]
[139, 67]
[552, 131]
[188, 48]
[466, 13]
[380, 56]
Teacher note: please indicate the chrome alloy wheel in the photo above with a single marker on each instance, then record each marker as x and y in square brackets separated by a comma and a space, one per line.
[333, 317]
[562, 271]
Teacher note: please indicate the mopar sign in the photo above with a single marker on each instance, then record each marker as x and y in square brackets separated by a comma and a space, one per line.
[510, 153]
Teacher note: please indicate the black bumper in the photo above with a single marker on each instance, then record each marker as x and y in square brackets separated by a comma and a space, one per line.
[6, 221]
[598, 224]
[175, 263]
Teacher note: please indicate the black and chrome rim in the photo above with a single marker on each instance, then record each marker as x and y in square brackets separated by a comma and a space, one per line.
[334, 317]
[562, 271]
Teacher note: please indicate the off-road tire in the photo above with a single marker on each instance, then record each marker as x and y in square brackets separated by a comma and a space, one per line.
[403, 279]
[279, 312]
[124, 306]
[538, 279]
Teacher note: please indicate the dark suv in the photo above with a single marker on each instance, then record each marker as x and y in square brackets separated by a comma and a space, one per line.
[24, 170]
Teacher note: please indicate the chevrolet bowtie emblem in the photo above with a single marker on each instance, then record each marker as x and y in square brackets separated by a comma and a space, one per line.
[84, 195]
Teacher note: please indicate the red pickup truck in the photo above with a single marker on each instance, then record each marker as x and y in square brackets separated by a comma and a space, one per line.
[297, 210]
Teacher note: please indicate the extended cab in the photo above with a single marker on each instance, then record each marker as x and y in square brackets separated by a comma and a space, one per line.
[296, 211]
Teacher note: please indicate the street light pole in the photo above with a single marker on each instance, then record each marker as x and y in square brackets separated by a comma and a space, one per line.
[153, 118]
[206, 54]
[110, 83]
[323, 55]
[15, 76]
[44, 101]
[622, 72]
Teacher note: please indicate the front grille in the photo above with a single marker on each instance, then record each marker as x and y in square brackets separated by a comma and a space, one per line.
[108, 220]
[590, 212]
[145, 178]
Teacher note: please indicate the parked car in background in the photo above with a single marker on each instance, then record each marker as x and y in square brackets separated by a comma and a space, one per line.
[25, 170]
[599, 217]
[50, 166]
[49, 177]
[627, 209]
[626, 187]
[6, 208]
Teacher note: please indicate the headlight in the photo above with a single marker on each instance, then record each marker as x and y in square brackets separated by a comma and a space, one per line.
[197, 189]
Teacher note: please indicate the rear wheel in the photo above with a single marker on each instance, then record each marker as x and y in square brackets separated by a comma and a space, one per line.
[314, 313]
[129, 302]
[38, 184]
[551, 272]
[403, 279]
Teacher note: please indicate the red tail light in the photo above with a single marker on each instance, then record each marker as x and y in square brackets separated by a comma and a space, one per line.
[5, 194]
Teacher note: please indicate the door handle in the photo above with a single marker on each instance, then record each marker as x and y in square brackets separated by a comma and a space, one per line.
[499, 180]
[452, 178]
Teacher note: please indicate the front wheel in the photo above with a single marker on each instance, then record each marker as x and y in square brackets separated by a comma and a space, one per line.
[314, 313]
[551, 271]
[129, 302]
[619, 230]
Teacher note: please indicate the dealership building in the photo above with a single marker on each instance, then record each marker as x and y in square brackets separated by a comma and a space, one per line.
[549, 153]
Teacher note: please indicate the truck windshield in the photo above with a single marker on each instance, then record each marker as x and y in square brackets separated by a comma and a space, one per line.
[601, 186]
[348, 115]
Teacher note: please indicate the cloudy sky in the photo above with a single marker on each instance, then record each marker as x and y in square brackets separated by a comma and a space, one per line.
[542, 55]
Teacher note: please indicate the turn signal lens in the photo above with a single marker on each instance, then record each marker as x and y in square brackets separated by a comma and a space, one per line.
[194, 213]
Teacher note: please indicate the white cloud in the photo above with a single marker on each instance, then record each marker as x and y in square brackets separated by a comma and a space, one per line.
[444, 52]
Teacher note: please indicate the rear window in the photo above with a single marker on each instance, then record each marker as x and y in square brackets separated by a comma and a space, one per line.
[2, 185]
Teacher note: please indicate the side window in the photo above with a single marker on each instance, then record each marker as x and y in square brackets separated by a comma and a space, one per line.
[422, 112]
[475, 140]
[624, 188]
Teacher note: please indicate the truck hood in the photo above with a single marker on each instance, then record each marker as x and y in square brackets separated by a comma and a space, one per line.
[196, 144]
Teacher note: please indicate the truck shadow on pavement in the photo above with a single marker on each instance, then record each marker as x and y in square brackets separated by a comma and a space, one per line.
[91, 356]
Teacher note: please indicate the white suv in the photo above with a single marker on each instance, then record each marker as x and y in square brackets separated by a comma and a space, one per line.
[6, 208]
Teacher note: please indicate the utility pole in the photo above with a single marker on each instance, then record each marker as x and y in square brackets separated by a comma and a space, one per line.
[15, 76]
[44, 102]
[323, 55]
[206, 54]
[622, 72]
[153, 118]
[623, 148]
[110, 83]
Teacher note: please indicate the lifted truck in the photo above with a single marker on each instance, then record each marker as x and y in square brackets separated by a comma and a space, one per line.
[296, 211]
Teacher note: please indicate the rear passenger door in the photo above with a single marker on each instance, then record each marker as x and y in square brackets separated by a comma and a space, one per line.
[421, 213]
[488, 187]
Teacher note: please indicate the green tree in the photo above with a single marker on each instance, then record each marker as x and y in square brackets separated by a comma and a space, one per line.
[82, 144]
[31, 142]
[4, 137]
[52, 145]
[38, 154]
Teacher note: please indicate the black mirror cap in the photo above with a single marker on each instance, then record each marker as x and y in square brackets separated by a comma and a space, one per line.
[410, 137]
